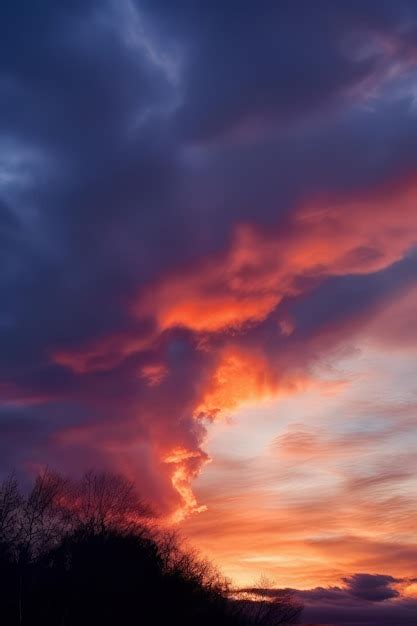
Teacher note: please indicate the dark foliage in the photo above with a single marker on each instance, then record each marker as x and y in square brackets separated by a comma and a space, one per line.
[88, 553]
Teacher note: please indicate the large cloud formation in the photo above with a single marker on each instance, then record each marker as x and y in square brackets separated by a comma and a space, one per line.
[198, 202]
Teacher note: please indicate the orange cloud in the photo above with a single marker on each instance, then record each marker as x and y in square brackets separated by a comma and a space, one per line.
[246, 282]
[238, 377]
[204, 301]
[242, 376]
[186, 465]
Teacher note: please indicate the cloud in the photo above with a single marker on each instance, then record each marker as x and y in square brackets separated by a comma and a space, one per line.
[372, 587]
[154, 373]
[238, 377]
[174, 184]
[231, 364]
[279, 68]
[375, 598]
[246, 283]
[394, 328]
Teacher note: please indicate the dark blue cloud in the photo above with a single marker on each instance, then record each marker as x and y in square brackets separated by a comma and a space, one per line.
[340, 300]
[247, 62]
[372, 587]
[365, 598]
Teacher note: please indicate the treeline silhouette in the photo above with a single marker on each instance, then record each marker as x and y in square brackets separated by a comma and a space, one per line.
[83, 552]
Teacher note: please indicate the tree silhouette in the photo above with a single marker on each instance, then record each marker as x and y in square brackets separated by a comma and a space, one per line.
[266, 606]
[10, 503]
[100, 502]
[87, 552]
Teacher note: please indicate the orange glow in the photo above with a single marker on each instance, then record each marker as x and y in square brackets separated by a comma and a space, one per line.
[217, 313]
[238, 377]
[181, 477]
[410, 590]
[300, 543]
[243, 377]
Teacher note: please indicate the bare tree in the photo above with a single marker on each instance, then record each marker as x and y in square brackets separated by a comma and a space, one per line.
[189, 565]
[39, 525]
[100, 502]
[41, 520]
[56, 507]
[264, 605]
[10, 503]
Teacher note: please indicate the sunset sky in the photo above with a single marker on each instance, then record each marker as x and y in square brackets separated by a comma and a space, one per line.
[208, 273]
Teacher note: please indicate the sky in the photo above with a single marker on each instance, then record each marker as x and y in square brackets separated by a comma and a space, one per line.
[208, 274]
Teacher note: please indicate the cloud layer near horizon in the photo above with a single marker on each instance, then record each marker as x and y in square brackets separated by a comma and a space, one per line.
[203, 208]
[375, 599]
